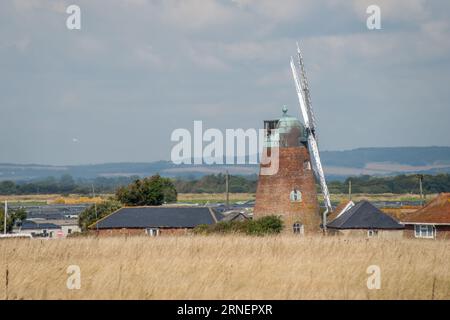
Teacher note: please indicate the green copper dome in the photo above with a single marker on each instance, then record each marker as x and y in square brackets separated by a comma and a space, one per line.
[292, 132]
[287, 122]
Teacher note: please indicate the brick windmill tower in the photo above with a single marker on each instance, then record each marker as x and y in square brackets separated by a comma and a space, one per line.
[290, 191]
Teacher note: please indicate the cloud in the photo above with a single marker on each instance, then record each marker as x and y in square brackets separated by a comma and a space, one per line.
[398, 10]
[205, 56]
[139, 68]
[280, 11]
[30, 5]
[195, 14]
[149, 57]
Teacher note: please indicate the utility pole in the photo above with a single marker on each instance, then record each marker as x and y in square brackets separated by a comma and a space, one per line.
[420, 176]
[350, 189]
[95, 207]
[6, 213]
[227, 188]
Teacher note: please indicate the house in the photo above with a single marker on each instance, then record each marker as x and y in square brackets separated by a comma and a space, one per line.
[40, 230]
[68, 226]
[46, 228]
[154, 221]
[365, 220]
[431, 221]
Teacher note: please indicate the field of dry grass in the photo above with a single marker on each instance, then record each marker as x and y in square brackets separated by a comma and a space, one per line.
[42, 199]
[220, 197]
[224, 267]
[214, 197]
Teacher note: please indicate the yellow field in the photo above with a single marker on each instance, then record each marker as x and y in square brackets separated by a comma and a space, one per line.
[52, 199]
[224, 267]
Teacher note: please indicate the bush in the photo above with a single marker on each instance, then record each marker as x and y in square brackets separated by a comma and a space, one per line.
[265, 225]
[96, 212]
[14, 216]
[153, 191]
[262, 226]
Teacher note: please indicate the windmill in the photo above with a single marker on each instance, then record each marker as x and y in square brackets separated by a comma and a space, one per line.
[304, 98]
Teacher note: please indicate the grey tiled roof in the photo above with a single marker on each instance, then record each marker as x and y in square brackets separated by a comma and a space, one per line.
[364, 215]
[30, 225]
[147, 217]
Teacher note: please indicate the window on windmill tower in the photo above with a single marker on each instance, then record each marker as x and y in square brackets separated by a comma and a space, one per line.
[296, 195]
[306, 165]
[298, 228]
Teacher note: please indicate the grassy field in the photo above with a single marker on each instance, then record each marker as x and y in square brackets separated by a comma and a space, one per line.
[213, 197]
[220, 197]
[44, 199]
[224, 267]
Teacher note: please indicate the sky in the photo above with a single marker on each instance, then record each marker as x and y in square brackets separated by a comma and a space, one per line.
[115, 90]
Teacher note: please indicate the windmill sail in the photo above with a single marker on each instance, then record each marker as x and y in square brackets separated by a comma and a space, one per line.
[305, 88]
[306, 110]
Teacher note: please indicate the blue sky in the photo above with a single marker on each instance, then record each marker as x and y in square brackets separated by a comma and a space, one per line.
[116, 89]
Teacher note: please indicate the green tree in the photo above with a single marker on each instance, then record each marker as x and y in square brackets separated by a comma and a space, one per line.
[153, 191]
[66, 183]
[95, 212]
[8, 187]
[169, 190]
[17, 215]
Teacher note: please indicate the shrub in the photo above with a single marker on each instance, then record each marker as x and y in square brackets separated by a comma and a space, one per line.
[153, 191]
[262, 226]
[96, 212]
[265, 225]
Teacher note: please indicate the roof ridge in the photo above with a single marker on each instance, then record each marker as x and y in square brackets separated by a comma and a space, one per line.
[213, 215]
[363, 215]
[101, 219]
[345, 216]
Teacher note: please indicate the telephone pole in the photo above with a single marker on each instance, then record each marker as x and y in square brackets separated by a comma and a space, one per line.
[227, 188]
[95, 206]
[350, 189]
[6, 213]
[420, 176]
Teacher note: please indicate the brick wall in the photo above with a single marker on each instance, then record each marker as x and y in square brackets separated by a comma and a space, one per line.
[362, 233]
[273, 191]
[138, 232]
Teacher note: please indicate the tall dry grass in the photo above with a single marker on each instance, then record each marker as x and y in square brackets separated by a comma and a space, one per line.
[224, 267]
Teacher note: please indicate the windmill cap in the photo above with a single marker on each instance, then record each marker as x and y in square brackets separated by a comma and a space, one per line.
[287, 122]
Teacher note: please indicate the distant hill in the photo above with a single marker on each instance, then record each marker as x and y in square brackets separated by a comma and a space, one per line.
[412, 156]
[338, 165]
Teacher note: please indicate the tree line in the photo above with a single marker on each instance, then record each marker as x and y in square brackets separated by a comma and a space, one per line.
[216, 184]
[395, 184]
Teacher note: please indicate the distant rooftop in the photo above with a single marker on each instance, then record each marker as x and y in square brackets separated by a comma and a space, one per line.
[30, 225]
[158, 217]
[437, 211]
[364, 215]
